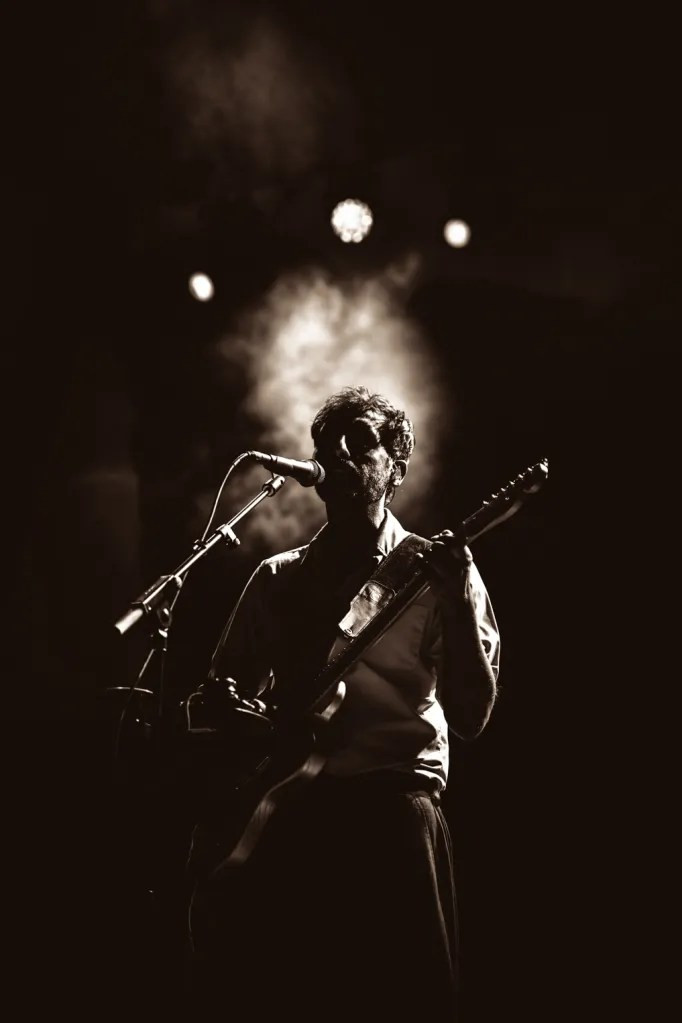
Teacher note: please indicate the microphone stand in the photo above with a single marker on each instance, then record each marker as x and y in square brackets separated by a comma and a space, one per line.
[155, 607]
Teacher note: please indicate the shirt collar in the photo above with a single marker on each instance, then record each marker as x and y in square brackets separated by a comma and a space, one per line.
[389, 536]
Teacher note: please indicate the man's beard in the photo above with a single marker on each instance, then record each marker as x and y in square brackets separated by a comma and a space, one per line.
[348, 486]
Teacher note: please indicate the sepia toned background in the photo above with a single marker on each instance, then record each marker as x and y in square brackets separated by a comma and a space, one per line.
[151, 141]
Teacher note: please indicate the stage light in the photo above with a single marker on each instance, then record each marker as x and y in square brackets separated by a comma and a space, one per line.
[457, 233]
[352, 220]
[201, 287]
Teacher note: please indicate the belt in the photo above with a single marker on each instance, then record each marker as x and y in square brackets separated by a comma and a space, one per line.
[377, 782]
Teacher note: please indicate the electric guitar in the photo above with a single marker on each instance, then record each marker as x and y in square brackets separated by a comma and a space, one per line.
[296, 749]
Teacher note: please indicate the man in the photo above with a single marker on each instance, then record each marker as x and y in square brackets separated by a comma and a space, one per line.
[346, 907]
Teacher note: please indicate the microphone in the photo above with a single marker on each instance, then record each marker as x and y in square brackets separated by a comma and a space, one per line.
[307, 472]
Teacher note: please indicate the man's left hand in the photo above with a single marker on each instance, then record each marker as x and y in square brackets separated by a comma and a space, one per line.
[447, 565]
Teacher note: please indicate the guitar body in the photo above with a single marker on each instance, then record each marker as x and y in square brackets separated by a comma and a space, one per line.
[228, 838]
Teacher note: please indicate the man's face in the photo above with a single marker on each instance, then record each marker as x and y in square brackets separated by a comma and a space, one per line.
[358, 466]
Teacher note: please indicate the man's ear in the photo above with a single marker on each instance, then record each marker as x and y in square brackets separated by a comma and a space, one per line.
[399, 471]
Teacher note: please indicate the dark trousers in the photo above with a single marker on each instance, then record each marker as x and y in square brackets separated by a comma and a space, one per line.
[345, 910]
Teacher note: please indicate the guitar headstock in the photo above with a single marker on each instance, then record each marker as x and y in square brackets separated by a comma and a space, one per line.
[505, 502]
[530, 480]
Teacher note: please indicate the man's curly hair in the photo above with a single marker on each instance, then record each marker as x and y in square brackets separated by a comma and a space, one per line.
[396, 430]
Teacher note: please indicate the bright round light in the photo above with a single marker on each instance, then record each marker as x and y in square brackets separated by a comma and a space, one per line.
[352, 220]
[201, 286]
[457, 233]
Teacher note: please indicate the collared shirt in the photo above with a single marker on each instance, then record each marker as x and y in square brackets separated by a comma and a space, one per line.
[297, 611]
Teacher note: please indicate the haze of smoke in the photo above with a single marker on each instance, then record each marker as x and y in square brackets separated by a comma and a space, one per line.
[310, 337]
[257, 91]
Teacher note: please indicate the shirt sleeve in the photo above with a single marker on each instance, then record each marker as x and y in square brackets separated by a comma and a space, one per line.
[243, 649]
[487, 625]
[485, 618]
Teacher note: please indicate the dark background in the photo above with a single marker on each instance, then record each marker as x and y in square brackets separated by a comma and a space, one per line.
[551, 134]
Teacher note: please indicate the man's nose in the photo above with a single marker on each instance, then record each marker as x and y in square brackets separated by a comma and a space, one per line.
[341, 449]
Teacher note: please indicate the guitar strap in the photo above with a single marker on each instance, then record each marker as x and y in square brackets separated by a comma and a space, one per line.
[389, 577]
